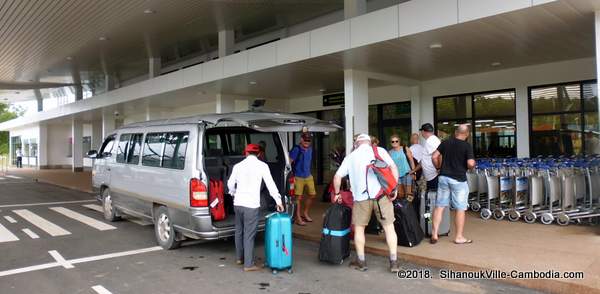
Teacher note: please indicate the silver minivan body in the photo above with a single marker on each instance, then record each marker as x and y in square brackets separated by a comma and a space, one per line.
[149, 165]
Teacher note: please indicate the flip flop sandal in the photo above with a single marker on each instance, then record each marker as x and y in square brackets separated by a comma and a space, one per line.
[433, 241]
[465, 242]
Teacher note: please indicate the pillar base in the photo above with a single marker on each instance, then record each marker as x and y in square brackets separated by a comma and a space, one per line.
[78, 169]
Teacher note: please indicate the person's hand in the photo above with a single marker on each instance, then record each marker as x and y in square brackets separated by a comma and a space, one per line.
[338, 198]
[280, 208]
[394, 195]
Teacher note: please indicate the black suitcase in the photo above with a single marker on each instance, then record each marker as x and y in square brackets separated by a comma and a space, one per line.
[335, 237]
[407, 225]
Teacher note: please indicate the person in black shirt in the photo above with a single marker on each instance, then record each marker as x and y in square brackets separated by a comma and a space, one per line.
[454, 156]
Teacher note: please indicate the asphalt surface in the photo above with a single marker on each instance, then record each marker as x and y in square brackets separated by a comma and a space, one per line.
[81, 261]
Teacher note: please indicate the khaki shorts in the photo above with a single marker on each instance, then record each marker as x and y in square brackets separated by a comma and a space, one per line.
[361, 212]
[301, 183]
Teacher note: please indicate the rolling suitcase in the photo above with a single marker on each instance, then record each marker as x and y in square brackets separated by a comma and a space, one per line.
[278, 242]
[407, 225]
[335, 237]
[427, 206]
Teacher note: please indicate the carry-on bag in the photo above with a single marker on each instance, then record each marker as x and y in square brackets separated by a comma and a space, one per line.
[216, 200]
[335, 237]
[278, 242]
[407, 225]
[426, 214]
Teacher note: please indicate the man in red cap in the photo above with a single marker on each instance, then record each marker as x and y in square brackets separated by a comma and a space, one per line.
[244, 184]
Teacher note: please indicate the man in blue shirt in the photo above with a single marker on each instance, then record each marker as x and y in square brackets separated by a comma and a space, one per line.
[301, 157]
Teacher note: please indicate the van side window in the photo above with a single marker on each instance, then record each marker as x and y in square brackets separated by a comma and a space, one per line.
[175, 147]
[107, 146]
[153, 149]
[135, 147]
[237, 143]
[122, 147]
[266, 141]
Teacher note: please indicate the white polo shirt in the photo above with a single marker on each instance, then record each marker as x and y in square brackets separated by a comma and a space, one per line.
[355, 165]
[417, 152]
[430, 145]
[245, 180]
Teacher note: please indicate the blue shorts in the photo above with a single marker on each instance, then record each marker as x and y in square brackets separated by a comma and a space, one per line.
[451, 190]
[405, 180]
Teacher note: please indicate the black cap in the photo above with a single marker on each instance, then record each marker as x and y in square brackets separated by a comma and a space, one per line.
[426, 127]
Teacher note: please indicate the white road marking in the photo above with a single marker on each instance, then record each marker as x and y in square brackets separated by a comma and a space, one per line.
[95, 207]
[2, 178]
[79, 260]
[13, 177]
[10, 219]
[96, 224]
[6, 235]
[100, 290]
[60, 260]
[42, 223]
[46, 203]
[30, 233]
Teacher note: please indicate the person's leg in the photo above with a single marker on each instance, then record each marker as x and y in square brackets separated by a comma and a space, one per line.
[460, 198]
[299, 184]
[250, 226]
[359, 241]
[312, 193]
[442, 201]
[385, 216]
[361, 214]
[239, 234]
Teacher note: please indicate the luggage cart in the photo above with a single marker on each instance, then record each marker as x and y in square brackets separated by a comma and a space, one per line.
[590, 205]
[521, 195]
[473, 191]
[535, 195]
[506, 178]
[492, 194]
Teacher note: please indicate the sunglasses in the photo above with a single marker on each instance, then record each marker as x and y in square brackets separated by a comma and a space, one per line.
[395, 141]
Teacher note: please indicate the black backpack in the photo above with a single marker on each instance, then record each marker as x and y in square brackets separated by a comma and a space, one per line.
[335, 237]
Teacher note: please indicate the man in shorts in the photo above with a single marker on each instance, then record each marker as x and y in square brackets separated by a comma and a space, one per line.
[301, 156]
[454, 156]
[365, 187]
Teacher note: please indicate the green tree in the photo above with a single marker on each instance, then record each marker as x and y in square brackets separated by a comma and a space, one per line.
[7, 113]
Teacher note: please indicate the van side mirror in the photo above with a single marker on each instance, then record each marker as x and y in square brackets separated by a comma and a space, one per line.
[92, 154]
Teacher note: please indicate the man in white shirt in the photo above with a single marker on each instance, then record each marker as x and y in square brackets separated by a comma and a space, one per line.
[244, 184]
[19, 154]
[365, 187]
[431, 144]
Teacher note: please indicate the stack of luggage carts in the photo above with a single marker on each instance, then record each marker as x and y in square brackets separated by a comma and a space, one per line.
[565, 190]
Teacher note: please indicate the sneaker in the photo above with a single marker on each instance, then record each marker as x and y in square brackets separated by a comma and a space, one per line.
[394, 266]
[359, 265]
[239, 262]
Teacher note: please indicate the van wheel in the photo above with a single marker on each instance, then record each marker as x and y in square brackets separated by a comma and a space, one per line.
[110, 212]
[164, 230]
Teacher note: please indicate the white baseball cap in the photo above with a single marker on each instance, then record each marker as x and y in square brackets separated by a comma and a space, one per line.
[363, 137]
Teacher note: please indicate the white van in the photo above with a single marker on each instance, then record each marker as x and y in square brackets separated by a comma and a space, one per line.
[160, 170]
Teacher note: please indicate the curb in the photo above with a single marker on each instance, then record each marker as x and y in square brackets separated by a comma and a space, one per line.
[546, 285]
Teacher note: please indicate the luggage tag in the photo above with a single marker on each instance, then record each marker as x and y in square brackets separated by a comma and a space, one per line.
[214, 203]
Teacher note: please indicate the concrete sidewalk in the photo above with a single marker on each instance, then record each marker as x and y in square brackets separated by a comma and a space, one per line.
[497, 245]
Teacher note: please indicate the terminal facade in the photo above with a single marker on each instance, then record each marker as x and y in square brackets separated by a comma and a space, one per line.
[522, 73]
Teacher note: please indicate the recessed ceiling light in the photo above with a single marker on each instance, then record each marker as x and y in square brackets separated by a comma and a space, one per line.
[69, 58]
[103, 38]
[435, 46]
[252, 83]
[149, 11]
[321, 90]
[496, 63]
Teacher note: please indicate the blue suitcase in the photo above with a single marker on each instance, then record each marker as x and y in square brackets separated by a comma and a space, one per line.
[278, 242]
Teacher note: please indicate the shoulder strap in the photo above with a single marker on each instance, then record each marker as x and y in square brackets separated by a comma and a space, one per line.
[376, 152]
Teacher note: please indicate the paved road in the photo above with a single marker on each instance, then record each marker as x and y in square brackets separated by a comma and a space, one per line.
[67, 247]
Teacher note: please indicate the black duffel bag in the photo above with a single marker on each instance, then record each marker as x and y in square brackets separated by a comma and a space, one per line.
[407, 224]
[335, 237]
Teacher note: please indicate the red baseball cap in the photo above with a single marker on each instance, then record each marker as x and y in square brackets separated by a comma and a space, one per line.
[254, 148]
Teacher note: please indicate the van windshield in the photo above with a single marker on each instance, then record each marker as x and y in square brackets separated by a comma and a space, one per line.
[233, 141]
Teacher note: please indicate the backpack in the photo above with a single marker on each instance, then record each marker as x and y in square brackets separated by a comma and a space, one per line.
[385, 176]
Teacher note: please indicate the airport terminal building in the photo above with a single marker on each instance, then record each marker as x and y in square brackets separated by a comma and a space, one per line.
[522, 73]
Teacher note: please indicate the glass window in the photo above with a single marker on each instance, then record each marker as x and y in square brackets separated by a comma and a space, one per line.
[453, 107]
[556, 134]
[107, 146]
[87, 144]
[175, 148]
[237, 143]
[396, 110]
[590, 97]
[445, 129]
[135, 147]
[153, 149]
[495, 104]
[122, 147]
[495, 137]
[268, 145]
[562, 98]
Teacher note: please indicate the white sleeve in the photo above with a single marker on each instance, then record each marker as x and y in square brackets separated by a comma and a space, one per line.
[273, 191]
[232, 181]
[386, 156]
[431, 145]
